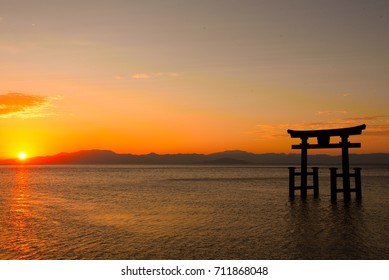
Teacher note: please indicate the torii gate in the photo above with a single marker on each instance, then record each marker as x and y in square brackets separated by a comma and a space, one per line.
[323, 142]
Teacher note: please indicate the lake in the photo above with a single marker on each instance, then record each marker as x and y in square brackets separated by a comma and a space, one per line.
[186, 212]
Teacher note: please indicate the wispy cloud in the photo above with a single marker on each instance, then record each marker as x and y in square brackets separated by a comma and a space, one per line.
[23, 105]
[269, 131]
[378, 130]
[323, 113]
[377, 125]
[147, 76]
[371, 118]
[140, 76]
[327, 113]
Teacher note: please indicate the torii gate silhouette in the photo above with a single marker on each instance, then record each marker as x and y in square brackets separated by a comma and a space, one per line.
[323, 142]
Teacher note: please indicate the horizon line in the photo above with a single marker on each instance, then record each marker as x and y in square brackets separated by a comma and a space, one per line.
[187, 153]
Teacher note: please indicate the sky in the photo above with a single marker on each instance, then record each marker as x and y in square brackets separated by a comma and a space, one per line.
[190, 76]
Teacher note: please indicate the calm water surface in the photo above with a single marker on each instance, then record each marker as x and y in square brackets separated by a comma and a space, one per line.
[185, 212]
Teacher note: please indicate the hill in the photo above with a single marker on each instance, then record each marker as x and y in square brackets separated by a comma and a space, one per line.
[222, 158]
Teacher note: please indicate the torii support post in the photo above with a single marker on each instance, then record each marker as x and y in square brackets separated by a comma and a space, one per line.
[304, 166]
[345, 168]
[323, 142]
[315, 182]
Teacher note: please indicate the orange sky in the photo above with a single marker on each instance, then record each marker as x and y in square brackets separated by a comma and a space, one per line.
[189, 76]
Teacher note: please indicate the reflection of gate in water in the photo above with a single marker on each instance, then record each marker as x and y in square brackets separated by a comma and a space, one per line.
[323, 142]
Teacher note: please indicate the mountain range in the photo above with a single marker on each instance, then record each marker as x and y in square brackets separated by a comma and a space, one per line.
[221, 158]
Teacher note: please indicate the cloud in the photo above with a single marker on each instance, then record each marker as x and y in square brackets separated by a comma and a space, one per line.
[327, 113]
[147, 76]
[378, 130]
[140, 76]
[376, 125]
[323, 113]
[269, 131]
[23, 105]
[370, 118]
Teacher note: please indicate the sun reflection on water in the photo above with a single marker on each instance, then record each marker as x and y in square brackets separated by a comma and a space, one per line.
[21, 215]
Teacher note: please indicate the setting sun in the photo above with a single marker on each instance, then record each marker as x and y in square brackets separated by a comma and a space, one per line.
[22, 155]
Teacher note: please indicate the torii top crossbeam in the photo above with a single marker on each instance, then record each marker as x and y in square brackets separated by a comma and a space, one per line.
[323, 137]
[356, 130]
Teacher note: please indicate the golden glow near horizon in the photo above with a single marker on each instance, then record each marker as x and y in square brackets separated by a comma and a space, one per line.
[189, 76]
[22, 155]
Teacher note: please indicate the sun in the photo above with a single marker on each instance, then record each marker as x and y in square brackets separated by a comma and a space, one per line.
[22, 156]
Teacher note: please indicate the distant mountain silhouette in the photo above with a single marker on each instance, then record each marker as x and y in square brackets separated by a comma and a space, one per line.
[226, 161]
[222, 158]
